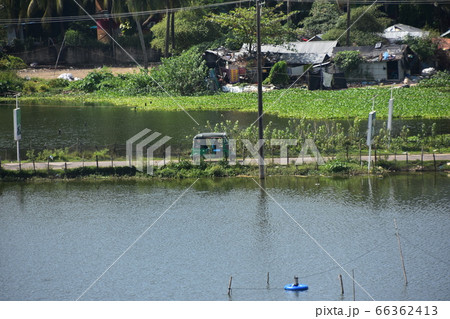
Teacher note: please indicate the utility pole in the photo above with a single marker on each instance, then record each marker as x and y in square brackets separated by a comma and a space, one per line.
[348, 23]
[260, 101]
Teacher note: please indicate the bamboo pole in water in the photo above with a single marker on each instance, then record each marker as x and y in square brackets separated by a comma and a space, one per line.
[353, 279]
[342, 284]
[401, 253]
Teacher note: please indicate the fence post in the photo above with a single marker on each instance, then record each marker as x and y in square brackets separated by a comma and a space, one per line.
[375, 158]
[421, 157]
[96, 160]
[434, 161]
[360, 157]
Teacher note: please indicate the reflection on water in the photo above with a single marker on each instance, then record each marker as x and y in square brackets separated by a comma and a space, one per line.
[56, 238]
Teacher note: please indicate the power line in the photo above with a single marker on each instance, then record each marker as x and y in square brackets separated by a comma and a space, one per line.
[409, 2]
[113, 15]
[214, 5]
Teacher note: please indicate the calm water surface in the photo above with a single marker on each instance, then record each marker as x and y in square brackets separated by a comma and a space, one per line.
[57, 238]
[90, 127]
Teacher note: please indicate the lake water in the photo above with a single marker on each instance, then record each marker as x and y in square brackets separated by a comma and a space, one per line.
[90, 127]
[58, 238]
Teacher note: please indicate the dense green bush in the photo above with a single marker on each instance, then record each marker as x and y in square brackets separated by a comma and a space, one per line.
[278, 74]
[10, 62]
[94, 81]
[73, 38]
[10, 82]
[182, 75]
[440, 79]
[58, 83]
[423, 47]
[136, 83]
[337, 166]
[348, 60]
[61, 154]
[32, 86]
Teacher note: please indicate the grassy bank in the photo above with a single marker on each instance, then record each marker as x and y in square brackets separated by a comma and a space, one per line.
[412, 102]
[186, 169]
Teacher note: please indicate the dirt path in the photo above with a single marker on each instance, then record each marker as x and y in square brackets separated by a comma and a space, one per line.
[62, 165]
[49, 73]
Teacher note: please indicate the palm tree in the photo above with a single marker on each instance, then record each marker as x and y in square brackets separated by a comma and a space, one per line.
[115, 6]
[170, 25]
[50, 7]
[135, 6]
[15, 9]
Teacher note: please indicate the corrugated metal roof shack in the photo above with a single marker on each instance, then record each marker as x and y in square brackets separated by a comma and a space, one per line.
[300, 56]
[384, 62]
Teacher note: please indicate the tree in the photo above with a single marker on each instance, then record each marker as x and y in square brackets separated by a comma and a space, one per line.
[241, 25]
[191, 29]
[348, 61]
[135, 6]
[117, 6]
[366, 22]
[322, 17]
[49, 7]
[423, 47]
[15, 9]
[182, 75]
[278, 74]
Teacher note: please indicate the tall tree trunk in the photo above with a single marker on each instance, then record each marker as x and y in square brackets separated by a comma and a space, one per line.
[166, 49]
[141, 38]
[172, 28]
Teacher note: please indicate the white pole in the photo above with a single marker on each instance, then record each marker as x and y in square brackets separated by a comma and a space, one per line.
[370, 131]
[18, 146]
[18, 152]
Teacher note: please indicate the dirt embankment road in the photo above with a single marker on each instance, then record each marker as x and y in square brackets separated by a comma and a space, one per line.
[49, 73]
[248, 161]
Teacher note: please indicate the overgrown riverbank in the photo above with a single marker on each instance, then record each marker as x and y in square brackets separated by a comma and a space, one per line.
[186, 169]
[412, 102]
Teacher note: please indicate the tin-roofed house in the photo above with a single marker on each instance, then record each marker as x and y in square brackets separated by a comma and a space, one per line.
[399, 32]
[384, 62]
[298, 54]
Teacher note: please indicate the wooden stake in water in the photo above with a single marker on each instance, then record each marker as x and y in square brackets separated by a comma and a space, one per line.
[401, 253]
[229, 285]
[342, 284]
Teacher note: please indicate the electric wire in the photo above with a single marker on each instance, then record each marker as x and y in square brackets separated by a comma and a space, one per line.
[101, 16]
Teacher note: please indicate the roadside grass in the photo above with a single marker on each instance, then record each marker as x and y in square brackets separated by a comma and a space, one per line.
[186, 170]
